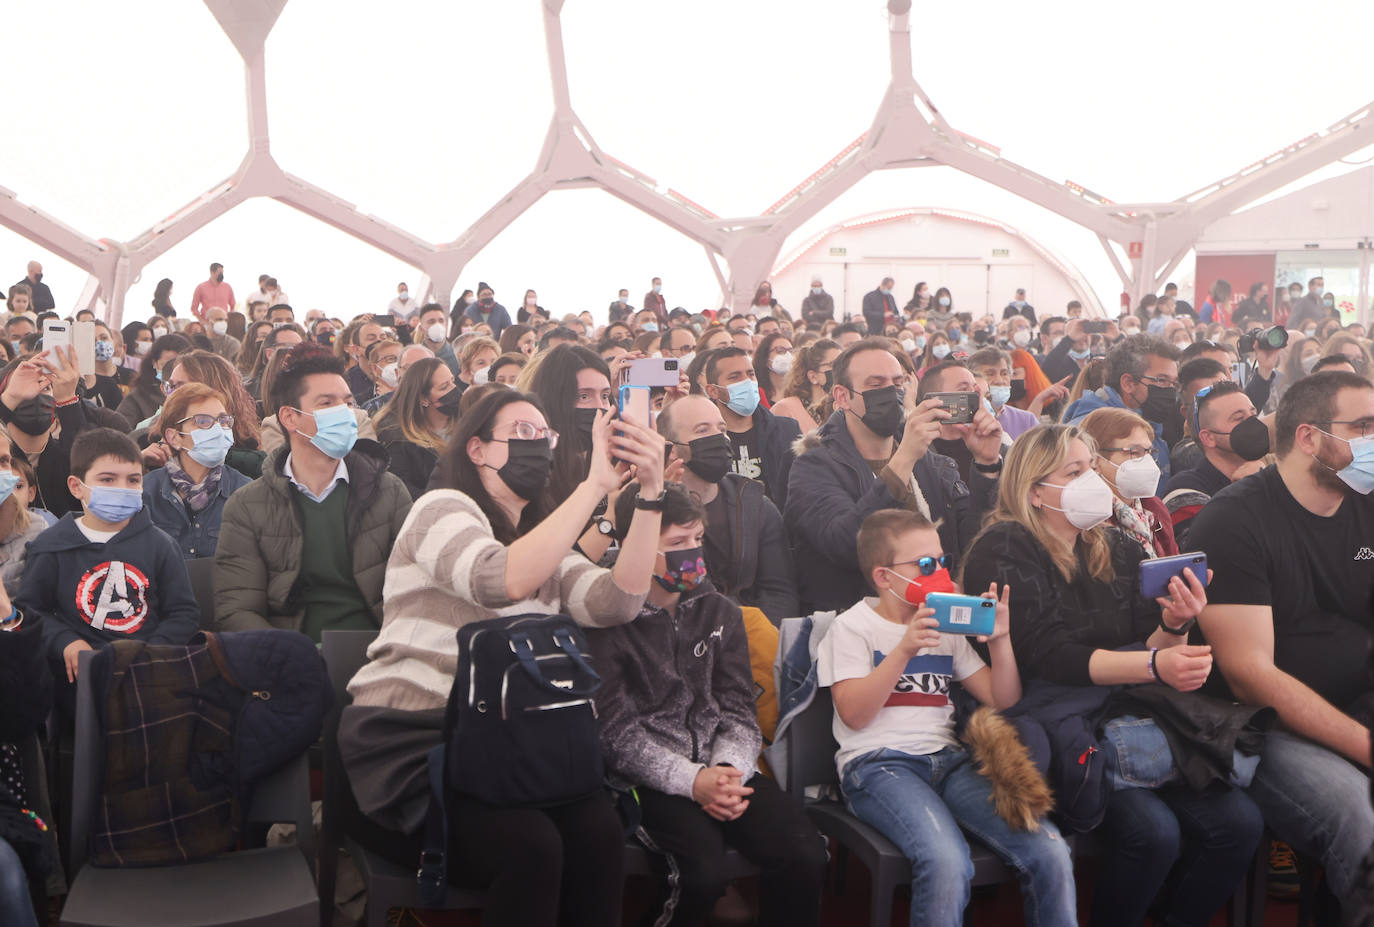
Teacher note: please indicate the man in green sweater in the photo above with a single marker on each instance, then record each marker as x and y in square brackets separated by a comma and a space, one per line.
[305, 547]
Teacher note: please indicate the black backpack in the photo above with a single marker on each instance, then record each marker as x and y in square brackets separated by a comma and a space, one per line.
[520, 729]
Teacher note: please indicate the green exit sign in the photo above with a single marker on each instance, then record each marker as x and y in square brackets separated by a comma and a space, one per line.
[838, 252]
[1001, 252]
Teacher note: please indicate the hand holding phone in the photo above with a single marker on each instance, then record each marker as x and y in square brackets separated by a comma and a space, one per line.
[1156, 574]
[634, 405]
[960, 406]
[963, 614]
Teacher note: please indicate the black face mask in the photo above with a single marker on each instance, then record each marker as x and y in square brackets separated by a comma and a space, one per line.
[34, 416]
[711, 456]
[448, 403]
[1250, 439]
[1018, 390]
[585, 419]
[829, 381]
[325, 338]
[883, 413]
[526, 470]
[1161, 404]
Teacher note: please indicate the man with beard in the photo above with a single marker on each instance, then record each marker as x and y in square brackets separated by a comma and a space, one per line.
[1288, 617]
[1232, 438]
[1142, 375]
[871, 455]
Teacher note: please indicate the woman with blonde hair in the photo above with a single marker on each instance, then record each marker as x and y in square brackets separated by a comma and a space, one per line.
[806, 393]
[1124, 440]
[415, 425]
[1344, 344]
[1078, 620]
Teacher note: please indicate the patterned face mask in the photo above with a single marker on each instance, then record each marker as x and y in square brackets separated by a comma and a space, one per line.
[684, 570]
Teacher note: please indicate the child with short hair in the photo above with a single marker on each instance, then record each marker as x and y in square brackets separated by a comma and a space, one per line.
[27, 491]
[108, 574]
[678, 722]
[901, 769]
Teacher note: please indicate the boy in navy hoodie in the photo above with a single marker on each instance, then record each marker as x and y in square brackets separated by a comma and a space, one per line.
[108, 574]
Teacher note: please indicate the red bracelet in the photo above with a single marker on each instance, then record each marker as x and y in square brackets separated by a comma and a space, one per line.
[66, 402]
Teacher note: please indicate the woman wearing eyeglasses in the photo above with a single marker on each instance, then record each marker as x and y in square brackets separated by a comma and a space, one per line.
[486, 544]
[1080, 628]
[185, 497]
[1123, 442]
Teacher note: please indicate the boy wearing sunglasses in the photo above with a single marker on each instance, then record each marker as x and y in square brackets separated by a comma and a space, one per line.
[902, 771]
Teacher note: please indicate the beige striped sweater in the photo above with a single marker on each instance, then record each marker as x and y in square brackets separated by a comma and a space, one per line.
[446, 570]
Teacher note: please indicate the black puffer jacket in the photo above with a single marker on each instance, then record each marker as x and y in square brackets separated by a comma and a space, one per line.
[746, 550]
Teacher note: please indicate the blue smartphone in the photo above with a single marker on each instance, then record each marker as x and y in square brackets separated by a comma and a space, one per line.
[1155, 574]
[963, 614]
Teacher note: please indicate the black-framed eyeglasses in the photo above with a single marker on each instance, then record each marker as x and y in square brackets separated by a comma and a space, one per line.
[206, 420]
[928, 565]
[1165, 382]
[1366, 426]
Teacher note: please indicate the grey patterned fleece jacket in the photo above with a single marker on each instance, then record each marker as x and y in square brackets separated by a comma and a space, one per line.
[677, 693]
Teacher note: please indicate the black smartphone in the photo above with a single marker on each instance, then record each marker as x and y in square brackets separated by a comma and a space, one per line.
[1095, 327]
[960, 406]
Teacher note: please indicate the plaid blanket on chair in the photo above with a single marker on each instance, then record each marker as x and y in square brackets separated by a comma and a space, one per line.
[167, 731]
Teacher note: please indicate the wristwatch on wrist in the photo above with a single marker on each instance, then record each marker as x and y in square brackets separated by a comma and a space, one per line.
[1181, 630]
[651, 505]
[605, 527]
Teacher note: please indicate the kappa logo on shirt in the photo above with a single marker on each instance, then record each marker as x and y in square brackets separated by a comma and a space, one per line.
[1365, 554]
[700, 649]
[113, 596]
[924, 682]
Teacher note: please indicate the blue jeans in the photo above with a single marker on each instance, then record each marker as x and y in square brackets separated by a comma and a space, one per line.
[1318, 802]
[16, 907]
[921, 802]
[1200, 843]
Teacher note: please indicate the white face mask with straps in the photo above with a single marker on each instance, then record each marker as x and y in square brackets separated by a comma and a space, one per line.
[1087, 500]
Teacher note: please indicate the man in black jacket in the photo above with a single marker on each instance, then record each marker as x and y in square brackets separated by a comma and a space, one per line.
[867, 457]
[878, 305]
[761, 443]
[819, 306]
[41, 299]
[746, 548]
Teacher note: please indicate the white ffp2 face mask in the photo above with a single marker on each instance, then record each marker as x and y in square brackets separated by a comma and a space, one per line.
[1137, 477]
[1087, 500]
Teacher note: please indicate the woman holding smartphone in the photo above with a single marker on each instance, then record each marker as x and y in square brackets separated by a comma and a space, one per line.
[1075, 609]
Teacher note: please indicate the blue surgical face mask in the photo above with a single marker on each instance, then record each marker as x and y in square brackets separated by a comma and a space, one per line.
[944, 302]
[104, 350]
[209, 446]
[336, 430]
[650, 326]
[113, 503]
[999, 395]
[940, 351]
[8, 481]
[1079, 355]
[920, 342]
[1359, 473]
[817, 291]
[744, 397]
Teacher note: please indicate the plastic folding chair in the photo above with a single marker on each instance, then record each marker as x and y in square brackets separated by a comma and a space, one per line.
[201, 570]
[266, 887]
[811, 762]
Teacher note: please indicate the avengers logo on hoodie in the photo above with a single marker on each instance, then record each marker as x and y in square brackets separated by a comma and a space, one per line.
[113, 596]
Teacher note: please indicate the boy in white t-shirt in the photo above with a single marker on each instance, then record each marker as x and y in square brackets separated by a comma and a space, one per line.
[901, 769]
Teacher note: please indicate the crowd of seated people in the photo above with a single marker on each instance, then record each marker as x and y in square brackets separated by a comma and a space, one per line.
[410, 471]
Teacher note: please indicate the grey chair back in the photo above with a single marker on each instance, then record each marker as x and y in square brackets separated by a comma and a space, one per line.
[201, 570]
[811, 757]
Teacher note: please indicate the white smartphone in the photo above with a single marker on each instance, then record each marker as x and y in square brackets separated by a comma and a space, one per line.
[83, 339]
[57, 335]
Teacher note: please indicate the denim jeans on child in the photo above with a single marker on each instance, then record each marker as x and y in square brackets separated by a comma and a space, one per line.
[921, 802]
